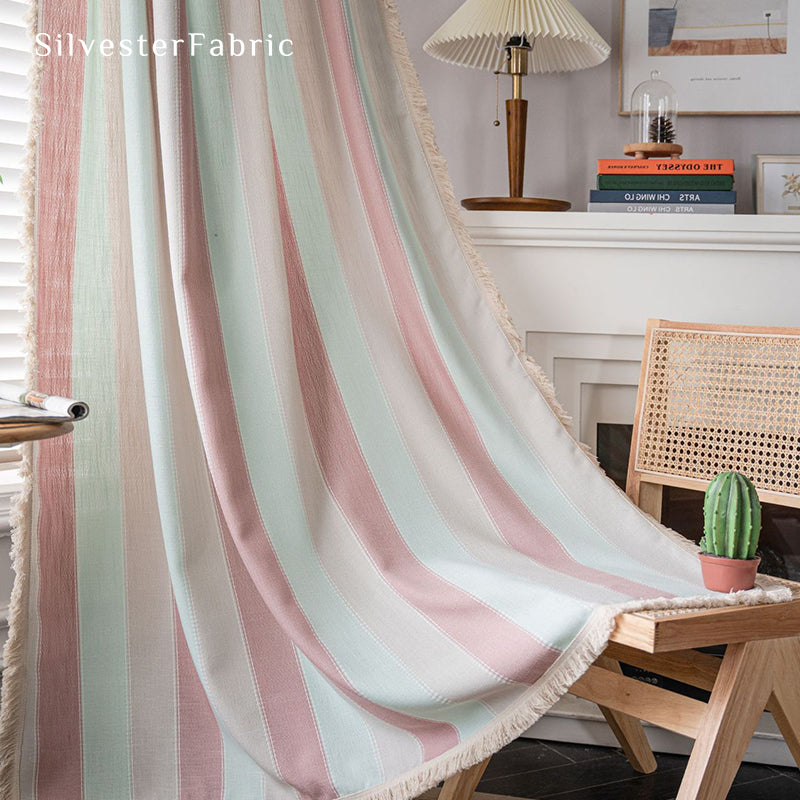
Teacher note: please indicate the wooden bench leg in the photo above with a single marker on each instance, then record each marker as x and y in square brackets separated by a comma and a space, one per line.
[628, 730]
[785, 702]
[743, 686]
[463, 785]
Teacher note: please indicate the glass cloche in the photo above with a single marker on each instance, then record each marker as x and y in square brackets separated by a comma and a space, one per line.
[654, 111]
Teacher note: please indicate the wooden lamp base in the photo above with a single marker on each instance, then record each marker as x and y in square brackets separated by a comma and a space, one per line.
[514, 204]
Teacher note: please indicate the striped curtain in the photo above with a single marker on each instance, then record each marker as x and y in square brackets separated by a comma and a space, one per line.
[325, 532]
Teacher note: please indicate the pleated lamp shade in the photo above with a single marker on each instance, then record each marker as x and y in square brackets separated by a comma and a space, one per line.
[562, 39]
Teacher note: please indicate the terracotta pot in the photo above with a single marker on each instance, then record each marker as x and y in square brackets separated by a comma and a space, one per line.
[729, 574]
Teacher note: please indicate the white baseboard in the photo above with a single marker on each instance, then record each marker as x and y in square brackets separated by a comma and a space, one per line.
[580, 722]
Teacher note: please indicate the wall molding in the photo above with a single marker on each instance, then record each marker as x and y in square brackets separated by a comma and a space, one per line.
[578, 229]
[583, 368]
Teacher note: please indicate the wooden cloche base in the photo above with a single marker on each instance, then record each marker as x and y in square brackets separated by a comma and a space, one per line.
[642, 150]
[514, 204]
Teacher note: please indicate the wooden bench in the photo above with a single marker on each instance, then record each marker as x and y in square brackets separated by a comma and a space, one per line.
[758, 671]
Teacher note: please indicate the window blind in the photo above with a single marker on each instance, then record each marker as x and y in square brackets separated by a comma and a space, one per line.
[15, 59]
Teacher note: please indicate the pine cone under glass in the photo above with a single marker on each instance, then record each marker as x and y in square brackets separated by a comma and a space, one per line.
[662, 130]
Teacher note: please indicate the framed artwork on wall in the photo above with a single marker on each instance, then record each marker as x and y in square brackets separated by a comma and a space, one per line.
[776, 184]
[722, 56]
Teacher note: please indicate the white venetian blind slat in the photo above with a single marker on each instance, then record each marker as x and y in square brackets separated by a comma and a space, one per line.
[10, 273]
[14, 35]
[11, 177]
[13, 61]
[10, 250]
[13, 109]
[13, 85]
[13, 12]
[10, 298]
[13, 132]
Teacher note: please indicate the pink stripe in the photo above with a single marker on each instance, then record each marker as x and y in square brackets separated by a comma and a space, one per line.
[507, 648]
[281, 687]
[227, 462]
[519, 526]
[200, 762]
[59, 773]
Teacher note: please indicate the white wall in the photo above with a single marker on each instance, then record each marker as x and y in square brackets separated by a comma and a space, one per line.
[572, 118]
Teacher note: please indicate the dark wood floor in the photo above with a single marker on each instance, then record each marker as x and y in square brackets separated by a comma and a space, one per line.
[543, 770]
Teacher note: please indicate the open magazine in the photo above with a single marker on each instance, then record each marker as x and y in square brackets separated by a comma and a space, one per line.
[20, 405]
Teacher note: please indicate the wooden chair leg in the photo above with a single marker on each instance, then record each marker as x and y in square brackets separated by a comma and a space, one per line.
[628, 730]
[651, 498]
[743, 686]
[463, 785]
[785, 701]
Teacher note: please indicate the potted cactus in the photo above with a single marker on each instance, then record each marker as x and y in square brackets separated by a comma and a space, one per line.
[732, 524]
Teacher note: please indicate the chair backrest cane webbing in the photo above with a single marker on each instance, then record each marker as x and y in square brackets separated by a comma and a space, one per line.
[714, 398]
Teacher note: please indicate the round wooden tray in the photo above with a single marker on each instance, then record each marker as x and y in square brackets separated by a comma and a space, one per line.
[18, 432]
[514, 204]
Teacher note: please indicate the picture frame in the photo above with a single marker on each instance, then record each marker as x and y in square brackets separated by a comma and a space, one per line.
[721, 56]
[776, 184]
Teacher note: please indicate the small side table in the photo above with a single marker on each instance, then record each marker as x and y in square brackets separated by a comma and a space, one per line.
[12, 433]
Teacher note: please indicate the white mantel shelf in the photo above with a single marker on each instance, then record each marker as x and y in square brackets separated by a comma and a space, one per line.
[580, 272]
[751, 232]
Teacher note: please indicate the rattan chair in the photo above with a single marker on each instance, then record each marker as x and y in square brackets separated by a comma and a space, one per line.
[711, 398]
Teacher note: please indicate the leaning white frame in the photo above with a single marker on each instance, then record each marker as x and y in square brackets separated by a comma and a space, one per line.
[758, 177]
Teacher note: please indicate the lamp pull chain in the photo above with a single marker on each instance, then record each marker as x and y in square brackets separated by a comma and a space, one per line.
[496, 122]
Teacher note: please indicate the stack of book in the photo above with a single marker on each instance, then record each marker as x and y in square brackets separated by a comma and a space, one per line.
[664, 186]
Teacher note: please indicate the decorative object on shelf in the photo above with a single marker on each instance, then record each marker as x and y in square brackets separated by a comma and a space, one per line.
[732, 525]
[662, 130]
[654, 108]
[707, 49]
[515, 37]
[776, 184]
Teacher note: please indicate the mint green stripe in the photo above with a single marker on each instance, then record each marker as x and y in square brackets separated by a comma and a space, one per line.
[257, 398]
[98, 494]
[244, 779]
[344, 730]
[517, 461]
[401, 487]
[142, 194]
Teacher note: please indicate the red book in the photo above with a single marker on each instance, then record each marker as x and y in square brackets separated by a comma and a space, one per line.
[665, 166]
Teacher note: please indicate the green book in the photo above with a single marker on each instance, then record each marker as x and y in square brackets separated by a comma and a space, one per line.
[717, 183]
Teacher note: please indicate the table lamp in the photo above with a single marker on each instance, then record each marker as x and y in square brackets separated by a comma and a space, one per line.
[515, 37]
